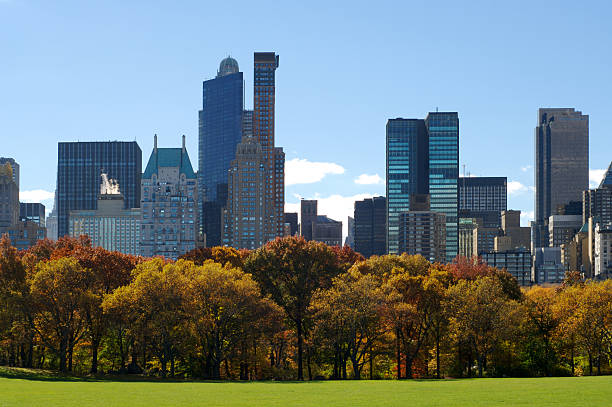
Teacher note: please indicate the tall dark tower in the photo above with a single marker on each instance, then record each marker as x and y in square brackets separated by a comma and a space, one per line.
[220, 131]
[561, 164]
[79, 165]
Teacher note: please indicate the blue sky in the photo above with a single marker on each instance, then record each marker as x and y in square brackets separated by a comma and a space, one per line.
[124, 70]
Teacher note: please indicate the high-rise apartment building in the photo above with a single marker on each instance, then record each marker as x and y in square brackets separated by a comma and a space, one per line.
[246, 195]
[561, 164]
[603, 251]
[598, 202]
[169, 225]
[14, 168]
[370, 226]
[308, 217]
[406, 171]
[264, 95]
[78, 173]
[110, 226]
[33, 212]
[9, 197]
[220, 131]
[423, 233]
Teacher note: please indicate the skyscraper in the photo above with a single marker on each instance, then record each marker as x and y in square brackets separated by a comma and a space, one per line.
[220, 131]
[169, 204]
[483, 198]
[9, 197]
[308, 217]
[598, 202]
[561, 164]
[246, 194]
[265, 64]
[370, 222]
[407, 171]
[443, 133]
[423, 158]
[79, 167]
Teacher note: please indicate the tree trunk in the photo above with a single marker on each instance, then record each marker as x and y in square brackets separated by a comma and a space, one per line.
[300, 345]
[371, 364]
[336, 373]
[437, 356]
[356, 372]
[63, 350]
[408, 367]
[479, 365]
[399, 355]
[572, 362]
[308, 363]
[94, 356]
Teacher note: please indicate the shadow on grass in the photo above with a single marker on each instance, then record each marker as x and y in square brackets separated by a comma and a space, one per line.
[53, 376]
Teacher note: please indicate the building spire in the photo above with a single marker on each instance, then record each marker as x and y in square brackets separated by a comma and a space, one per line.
[155, 143]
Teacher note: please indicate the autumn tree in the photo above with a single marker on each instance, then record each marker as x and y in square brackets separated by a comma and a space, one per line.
[15, 319]
[59, 292]
[225, 308]
[218, 254]
[541, 325]
[154, 305]
[290, 270]
[481, 315]
[413, 298]
[350, 312]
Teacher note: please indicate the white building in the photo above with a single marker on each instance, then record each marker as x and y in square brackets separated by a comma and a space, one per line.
[603, 251]
[111, 226]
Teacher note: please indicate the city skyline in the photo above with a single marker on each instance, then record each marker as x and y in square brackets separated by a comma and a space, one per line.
[131, 108]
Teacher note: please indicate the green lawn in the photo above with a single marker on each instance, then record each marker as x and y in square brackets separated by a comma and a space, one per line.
[41, 390]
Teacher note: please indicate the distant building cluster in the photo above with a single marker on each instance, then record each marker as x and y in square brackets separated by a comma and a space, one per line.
[237, 195]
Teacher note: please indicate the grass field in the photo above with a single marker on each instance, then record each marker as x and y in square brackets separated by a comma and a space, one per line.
[41, 390]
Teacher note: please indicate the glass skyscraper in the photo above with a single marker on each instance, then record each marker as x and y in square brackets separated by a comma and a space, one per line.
[407, 160]
[443, 132]
[79, 165]
[220, 131]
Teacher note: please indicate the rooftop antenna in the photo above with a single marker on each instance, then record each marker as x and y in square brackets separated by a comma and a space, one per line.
[436, 109]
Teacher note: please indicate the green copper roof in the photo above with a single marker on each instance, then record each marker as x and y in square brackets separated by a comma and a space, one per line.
[169, 157]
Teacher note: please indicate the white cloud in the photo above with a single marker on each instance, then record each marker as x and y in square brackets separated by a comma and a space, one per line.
[595, 177]
[526, 168]
[302, 171]
[36, 195]
[526, 217]
[366, 179]
[335, 206]
[516, 188]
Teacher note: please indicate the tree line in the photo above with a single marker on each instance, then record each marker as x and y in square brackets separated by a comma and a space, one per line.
[291, 310]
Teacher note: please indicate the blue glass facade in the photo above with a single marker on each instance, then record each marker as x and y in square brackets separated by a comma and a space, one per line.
[443, 132]
[220, 131]
[407, 158]
[79, 165]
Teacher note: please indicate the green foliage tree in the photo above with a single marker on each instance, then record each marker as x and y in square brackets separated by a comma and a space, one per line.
[290, 270]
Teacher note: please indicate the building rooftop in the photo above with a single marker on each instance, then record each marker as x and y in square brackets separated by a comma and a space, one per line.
[227, 67]
[606, 182]
[169, 157]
